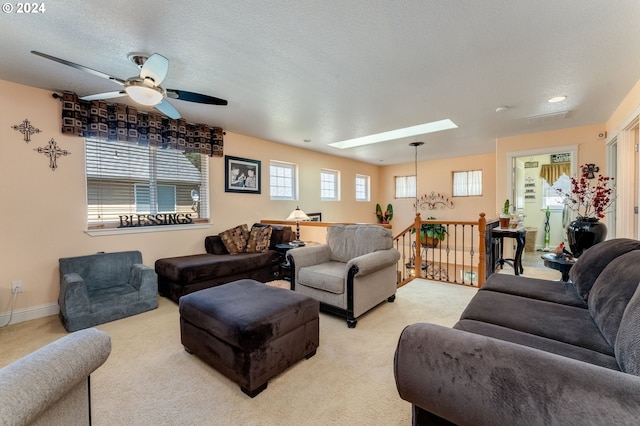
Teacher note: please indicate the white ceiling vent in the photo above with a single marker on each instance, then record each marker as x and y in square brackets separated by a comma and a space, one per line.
[547, 118]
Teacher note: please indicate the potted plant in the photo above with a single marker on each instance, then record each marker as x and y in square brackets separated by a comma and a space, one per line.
[432, 233]
[590, 201]
[386, 216]
[505, 217]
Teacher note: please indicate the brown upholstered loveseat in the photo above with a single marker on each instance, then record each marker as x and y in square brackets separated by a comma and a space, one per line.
[181, 275]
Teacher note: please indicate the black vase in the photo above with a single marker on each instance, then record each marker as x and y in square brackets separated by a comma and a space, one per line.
[585, 232]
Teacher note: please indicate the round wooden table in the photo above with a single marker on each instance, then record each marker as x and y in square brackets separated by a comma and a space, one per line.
[562, 264]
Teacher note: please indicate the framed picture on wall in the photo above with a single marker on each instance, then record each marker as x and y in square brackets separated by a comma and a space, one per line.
[242, 175]
[315, 217]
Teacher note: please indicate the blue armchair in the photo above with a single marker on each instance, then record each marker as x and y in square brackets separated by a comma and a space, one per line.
[104, 287]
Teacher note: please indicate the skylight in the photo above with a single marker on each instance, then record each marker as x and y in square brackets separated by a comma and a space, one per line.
[419, 129]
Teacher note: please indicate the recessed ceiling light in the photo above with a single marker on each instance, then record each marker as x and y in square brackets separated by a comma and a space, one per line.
[557, 99]
[419, 129]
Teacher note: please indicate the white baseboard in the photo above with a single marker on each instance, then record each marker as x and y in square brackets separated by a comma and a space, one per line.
[26, 314]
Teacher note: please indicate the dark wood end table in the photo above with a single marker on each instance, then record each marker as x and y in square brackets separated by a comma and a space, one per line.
[285, 266]
[562, 264]
[519, 234]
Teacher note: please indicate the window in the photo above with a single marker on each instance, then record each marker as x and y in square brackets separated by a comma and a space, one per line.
[282, 181]
[166, 198]
[467, 184]
[405, 187]
[362, 188]
[550, 196]
[329, 185]
[132, 185]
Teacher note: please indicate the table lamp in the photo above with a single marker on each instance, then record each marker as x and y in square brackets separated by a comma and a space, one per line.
[297, 215]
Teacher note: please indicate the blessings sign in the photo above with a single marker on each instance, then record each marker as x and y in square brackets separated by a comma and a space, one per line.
[134, 220]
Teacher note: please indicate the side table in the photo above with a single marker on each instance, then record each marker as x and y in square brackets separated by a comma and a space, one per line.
[285, 266]
[562, 264]
[519, 235]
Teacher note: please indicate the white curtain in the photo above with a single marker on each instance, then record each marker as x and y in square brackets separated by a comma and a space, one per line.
[475, 182]
[405, 186]
[467, 183]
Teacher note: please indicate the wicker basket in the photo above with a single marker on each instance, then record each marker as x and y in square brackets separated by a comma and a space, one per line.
[530, 242]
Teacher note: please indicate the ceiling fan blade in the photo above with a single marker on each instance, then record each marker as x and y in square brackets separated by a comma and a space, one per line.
[183, 95]
[79, 67]
[156, 68]
[106, 95]
[167, 109]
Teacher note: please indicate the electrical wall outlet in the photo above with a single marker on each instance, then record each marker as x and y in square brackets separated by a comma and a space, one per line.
[16, 286]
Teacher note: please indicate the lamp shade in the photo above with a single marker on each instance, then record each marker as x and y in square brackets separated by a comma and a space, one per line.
[143, 94]
[298, 214]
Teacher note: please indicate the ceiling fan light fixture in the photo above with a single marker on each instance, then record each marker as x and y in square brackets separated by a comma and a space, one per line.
[144, 94]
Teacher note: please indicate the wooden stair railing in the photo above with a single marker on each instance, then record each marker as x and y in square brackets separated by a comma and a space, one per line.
[462, 254]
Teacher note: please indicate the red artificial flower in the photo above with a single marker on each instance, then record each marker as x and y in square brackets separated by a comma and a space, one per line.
[589, 201]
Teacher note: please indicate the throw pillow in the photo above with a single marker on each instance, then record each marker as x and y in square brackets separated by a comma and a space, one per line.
[235, 239]
[259, 239]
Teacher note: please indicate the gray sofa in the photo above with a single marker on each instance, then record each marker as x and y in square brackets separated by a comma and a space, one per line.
[51, 385]
[534, 352]
[103, 287]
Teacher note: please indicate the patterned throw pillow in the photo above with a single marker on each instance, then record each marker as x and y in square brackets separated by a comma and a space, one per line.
[235, 239]
[259, 239]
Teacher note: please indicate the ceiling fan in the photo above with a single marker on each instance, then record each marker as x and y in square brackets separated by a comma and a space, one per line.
[144, 89]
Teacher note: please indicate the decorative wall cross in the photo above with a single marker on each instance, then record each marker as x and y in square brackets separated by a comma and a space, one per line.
[590, 170]
[53, 152]
[26, 129]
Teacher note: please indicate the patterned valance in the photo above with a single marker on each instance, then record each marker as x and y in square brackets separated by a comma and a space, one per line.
[552, 172]
[117, 122]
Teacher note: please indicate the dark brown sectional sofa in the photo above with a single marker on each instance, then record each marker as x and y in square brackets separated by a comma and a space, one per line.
[181, 275]
[534, 352]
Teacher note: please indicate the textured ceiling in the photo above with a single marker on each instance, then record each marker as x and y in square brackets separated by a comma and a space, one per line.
[333, 69]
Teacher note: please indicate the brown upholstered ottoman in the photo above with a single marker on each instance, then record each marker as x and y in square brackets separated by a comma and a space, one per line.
[248, 331]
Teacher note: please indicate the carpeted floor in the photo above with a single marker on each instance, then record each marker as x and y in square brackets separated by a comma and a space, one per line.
[150, 380]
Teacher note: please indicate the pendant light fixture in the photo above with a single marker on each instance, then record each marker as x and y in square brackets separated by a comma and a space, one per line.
[415, 162]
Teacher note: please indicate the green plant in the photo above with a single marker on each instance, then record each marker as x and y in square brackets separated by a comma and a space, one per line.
[505, 209]
[386, 216]
[432, 230]
[436, 231]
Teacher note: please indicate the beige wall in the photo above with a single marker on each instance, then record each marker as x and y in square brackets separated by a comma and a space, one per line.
[623, 130]
[43, 211]
[436, 176]
[628, 107]
[245, 206]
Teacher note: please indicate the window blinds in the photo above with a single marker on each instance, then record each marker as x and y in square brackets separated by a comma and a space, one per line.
[137, 185]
